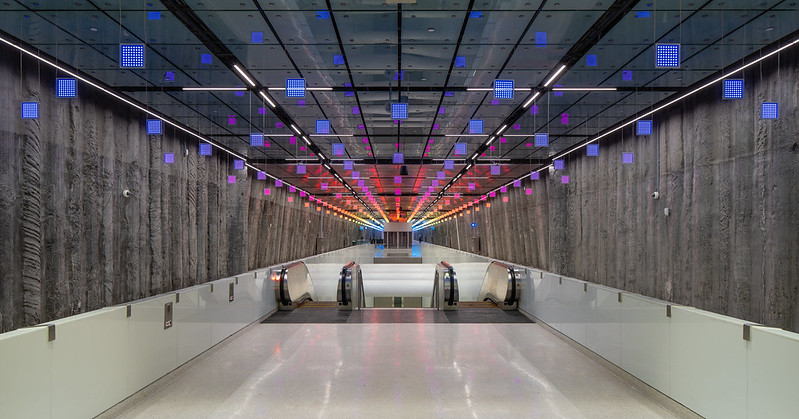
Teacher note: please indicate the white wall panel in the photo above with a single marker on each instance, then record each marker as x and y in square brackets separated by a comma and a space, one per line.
[645, 340]
[603, 328]
[152, 350]
[25, 383]
[773, 372]
[192, 324]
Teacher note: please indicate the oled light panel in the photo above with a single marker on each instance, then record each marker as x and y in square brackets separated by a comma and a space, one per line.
[399, 111]
[398, 158]
[66, 88]
[475, 15]
[559, 164]
[590, 60]
[257, 37]
[643, 127]
[205, 149]
[542, 140]
[301, 170]
[535, 175]
[295, 87]
[347, 163]
[460, 149]
[449, 164]
[238, 164]
[495, 170]
[460, 62]
[503, 89]
[205, 58]
[322, 126]
[517, 183]
[323, 14]
[131, 55]
[440, 175]
[154, 127]
[256, 139]
[169, 158]
[476, 126]
[338, 59]
[592, 150]
[471, 186]
[398, 179]
[667, 55]
[733, 89]
[627, 75]
[261, 176]
[356, 175]
[769, 110]
[540, 39]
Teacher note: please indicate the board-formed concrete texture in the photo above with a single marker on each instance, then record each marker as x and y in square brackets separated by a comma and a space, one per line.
[729, 179]
[71, 242]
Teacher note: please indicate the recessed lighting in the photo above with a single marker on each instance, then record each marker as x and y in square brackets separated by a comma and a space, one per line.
[431, 29]
[93, 29]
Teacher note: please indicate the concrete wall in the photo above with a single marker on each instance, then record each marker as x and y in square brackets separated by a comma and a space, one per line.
[730, 179]
[70, 242]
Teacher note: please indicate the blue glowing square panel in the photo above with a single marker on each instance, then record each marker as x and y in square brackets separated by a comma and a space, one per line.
[131, 55]
[503, 89]
[323, 14]
[322, 126]
[169, 76]
[238, 164]
[66, 87]
[769, 110]
[667, 55]
[347, 163]
[154, 127]
[475, 15]
[301, 169]
[295, 87]
[460, 149]
[590, 60]
[338, 59]
[476, 126]
[643, 14]
[205, 149]
[627, 75]
[256, 139]
[496, 170]
[256, 37]
[153, 15]
[449, 164]
[398, 158]
[169, 158]
[643, 127]
[559, 164]
[733, 89]
[399, 111]
[540, 39]
[460, 62]
[205, 58]
[338, 149]
[542, 140]
[592, 150]
[627, 158]
[30, 110]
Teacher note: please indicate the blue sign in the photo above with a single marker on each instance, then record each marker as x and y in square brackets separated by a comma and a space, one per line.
[474, 224]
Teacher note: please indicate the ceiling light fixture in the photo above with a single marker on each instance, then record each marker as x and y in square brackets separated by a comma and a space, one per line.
[269, 101]
[502, 129]
[555, 76]
[243, 74]
[530, 101]
[307, 141]
[479, 89]
[214, 89]
[297, 130]
[584, 89]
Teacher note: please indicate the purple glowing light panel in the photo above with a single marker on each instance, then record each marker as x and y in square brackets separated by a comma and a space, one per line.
[397, 179]
[535, 175]
[292, 189]
[557, 93]
[301, 170]
[131, 55]
[542, 140]
[231, 119]
[338, 149]
[324, 186]
[564, 119]
[564, 179]
[338, 196]
[528, 191]
[769, 110]
[534, 110]
[169, 158]
[434, 183]
[441, 110]
[457, 195]
[449, 164]
[261, 176]
[398, 158]
[322, 126]
[495, 170]
[66, 88]
[347, 163]
[154, 127]
[627, 75]
[231, 179]
[399, 111]
[205, 149]
[627, 158]
[361, 182]
[559, 164]
[238, 164]
[494, 102]
[503, 189]
[592, 150]
[643, 127]
[356, 110]
[292, 140]
[492, 194]
[503, 89]
[733, 89]
[475, 126]
[667, 55]
[256, 139]
[471, 186]
[295, 87]
[398, 192]
[460, 149]
[356, 175]
[267, 191]
[300, 102]
[517, 183]
[441, 175]
[278, 183]
[430, 189]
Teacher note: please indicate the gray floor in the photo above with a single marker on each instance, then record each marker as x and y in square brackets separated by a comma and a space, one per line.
[387, 370]
[400, 315]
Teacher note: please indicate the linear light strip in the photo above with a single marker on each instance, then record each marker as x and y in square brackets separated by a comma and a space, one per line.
[214, 89]
[268, 100]
[704, 86]
[584, 89]
[554, 76]
[243, 74]
[530, 101]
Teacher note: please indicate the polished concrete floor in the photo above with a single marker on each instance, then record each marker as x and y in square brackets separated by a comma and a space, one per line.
[386, 370]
